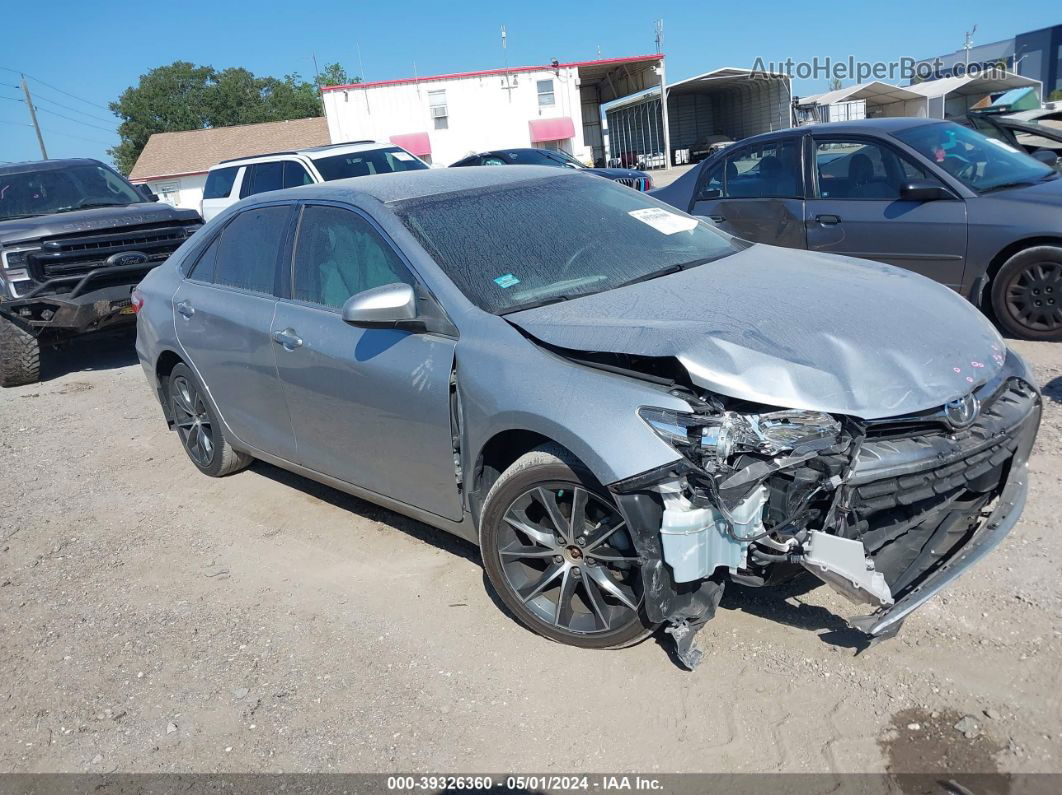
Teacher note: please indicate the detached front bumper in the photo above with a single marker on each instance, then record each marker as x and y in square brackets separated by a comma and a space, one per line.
[74, 313]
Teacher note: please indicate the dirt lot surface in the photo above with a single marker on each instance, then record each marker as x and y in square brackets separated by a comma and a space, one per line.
[153, 619]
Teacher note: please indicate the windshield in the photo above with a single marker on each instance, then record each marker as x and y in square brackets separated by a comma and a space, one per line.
[980, 163]
[538, 241]
[370, 161]
[542, 157]
[56, 190]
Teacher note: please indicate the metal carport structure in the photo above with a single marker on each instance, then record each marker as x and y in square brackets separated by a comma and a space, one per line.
[952, 97]
[729, 101]
[875, 99]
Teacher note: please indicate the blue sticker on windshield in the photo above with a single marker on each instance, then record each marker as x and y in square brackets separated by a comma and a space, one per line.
[508, 280]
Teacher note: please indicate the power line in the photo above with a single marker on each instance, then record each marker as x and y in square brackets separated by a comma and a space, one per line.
[56, 132]
[76, 121]
[56, 88]
[39, 99]
[13, 99]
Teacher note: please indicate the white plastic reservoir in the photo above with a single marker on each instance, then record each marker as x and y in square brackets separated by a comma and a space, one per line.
[696, 541]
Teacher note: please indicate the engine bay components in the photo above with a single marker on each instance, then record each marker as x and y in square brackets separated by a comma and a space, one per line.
[696, 541]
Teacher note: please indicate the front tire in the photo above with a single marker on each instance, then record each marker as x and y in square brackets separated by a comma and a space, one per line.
[1027, 294]
[198, 427]
[559, 555]
[20, 355]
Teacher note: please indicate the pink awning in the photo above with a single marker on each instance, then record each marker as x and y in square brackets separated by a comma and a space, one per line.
[418, 143]
[551, 129]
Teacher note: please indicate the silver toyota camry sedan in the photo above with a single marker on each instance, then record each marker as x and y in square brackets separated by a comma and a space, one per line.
[624, 407]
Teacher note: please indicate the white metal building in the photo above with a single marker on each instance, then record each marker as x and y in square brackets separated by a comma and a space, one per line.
[442, 118]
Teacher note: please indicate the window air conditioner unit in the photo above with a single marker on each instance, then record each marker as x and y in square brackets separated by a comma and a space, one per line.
[438, 112]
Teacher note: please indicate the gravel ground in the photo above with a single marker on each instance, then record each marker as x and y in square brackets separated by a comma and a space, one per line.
[152, 619]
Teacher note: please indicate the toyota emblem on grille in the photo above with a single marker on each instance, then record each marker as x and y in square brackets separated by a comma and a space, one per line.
[128, 258]
[962, 412]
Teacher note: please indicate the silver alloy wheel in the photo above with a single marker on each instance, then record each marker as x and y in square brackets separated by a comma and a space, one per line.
[567, 555]
[192, 419]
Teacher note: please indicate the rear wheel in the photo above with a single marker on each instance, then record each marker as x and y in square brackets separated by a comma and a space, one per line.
[1027, 294]
[20, 355]
[559, 554]
[197, 426]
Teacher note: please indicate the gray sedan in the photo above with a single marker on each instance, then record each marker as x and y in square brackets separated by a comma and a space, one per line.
[940, 199]
[624, 407]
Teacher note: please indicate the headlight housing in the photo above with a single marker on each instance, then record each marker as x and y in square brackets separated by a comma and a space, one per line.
[712, 439]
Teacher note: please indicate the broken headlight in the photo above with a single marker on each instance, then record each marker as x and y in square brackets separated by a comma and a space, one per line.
[713, 438]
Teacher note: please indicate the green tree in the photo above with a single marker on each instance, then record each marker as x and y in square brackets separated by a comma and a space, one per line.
[334, 74]
[1055, 95]
[168, 98]
[182, 96]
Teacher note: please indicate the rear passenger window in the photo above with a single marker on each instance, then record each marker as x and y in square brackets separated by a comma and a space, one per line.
[266, 177]
[769, 170]
[219, 183]
[338, 254]
[295, 175]
[249, 249]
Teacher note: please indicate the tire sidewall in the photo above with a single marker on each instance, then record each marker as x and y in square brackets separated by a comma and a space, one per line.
[214, 467]
[1006, 275]
[505, 491]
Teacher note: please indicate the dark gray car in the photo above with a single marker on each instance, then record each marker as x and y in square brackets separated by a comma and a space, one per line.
[624, 407]
[555, 158]
[930, 196]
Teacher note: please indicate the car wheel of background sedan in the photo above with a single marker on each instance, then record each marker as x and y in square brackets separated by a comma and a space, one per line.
[198, 427]
[559, 554]
[1027, 294]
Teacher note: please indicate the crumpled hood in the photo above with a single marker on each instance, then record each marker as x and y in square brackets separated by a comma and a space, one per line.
[792, 329]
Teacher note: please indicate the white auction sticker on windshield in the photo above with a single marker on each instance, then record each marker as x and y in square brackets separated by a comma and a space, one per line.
[402, 156]
[663, 221]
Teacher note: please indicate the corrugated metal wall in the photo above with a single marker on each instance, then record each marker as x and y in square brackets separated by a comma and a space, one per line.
[737, 111]
[636, 133]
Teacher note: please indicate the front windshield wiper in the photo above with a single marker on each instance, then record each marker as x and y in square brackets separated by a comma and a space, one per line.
[89, 205]
[667, 271]
[553, 299]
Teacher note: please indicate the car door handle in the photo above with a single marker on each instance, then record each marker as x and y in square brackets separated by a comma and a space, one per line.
[828, 220]
[185, 308]
[288, 338]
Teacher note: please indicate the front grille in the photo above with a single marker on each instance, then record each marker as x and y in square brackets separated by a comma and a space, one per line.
[916, 499]
[77, 255]
[638, 183]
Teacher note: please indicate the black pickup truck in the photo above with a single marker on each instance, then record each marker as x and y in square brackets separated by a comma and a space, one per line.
[75, 238]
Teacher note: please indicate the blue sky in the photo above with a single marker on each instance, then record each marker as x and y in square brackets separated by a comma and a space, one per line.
[94, 50]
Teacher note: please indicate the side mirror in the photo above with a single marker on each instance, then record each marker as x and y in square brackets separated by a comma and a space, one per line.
[389, 306]
[1047, 157]
[146, 193]
[922, 190]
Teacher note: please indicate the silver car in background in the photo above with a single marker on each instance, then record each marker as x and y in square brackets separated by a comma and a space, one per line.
[622, 406]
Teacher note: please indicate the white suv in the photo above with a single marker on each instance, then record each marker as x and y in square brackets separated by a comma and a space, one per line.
[232, 180]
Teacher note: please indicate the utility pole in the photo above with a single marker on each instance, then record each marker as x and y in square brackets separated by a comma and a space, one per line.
[33, 116]
[968, 45]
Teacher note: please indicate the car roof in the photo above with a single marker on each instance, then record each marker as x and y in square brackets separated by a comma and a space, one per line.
[865, 126]
[47, 165]
[403, 185]
[312, 152]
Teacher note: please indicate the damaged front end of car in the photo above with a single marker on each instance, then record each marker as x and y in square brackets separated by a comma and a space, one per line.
[885, 511]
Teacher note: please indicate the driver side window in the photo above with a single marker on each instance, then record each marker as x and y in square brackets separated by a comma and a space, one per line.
[338, 254]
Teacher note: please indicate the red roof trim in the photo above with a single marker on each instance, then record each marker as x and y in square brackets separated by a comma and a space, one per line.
[488, 72]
